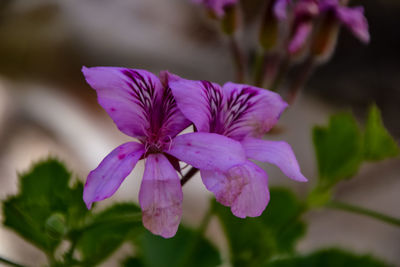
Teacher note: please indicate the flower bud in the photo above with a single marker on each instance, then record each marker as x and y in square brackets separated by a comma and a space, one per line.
[229, 22]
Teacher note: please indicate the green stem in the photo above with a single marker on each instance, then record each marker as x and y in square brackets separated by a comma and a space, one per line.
[363, 211]
[10, 263]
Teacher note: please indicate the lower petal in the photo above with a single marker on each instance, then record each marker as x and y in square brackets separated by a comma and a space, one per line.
[207, 151]
[103, 181]
[276, 152]
[244, 188]
[160, 197]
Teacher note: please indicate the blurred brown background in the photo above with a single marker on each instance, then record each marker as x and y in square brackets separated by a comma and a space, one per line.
[47, 108]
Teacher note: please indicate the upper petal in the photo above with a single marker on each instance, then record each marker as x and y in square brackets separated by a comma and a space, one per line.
[128, 96]
[276, 152]
[207, 151]
[244, 188]
[172, 120]
[353, 18]
[200, 101]
[250, 110]
[160, 196]
[103, 181]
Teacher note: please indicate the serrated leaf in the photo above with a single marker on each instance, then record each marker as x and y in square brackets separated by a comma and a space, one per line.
[186, 248]
[44, 192]
[378, 143]
[339, 149]
[255, 240]
[329, 258]
[107, 231]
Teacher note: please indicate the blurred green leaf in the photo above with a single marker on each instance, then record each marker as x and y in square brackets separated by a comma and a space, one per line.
[329, 258]
[255, 240]
[378, 144]
[132, 262]
[186, 248]
[107, 231]
[338, 148]
[44, 192]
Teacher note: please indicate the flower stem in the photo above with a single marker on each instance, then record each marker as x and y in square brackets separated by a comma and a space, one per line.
[280, 74]
[188, 175]
[10, 263]
[363, 211]
[299, 81]
[267, 69]
[238, 59]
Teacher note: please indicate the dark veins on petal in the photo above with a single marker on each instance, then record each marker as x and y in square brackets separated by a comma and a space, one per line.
[214, 97]
[143, 91]
[169, 110]
[238, 105]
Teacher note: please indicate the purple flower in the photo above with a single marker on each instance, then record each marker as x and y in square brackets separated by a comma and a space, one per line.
[217, 7]
[242, 113]
[142, 106]
[352, 17]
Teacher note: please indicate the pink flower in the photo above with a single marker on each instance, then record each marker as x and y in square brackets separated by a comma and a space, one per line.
[242, 113]
[142, 106]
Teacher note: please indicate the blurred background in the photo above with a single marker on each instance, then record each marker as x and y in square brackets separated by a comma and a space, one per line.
[46, 108]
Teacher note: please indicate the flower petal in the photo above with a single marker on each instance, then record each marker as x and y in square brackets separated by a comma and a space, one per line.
[244, 188]
[172, 119]
[160, 196]
[250, 110]
[103, 181]
[355, 21]
[200, 101]
[280, 9]
[207, 151]
[127, 95]
[300, 36]
[276, 152]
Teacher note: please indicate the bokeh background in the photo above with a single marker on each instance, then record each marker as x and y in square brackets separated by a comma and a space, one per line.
[46, 108]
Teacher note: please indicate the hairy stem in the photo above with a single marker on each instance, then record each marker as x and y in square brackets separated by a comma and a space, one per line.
[363, 211]
[238, 59]
[10, 263]
[280, 74]
[298, 83]
[188, 175]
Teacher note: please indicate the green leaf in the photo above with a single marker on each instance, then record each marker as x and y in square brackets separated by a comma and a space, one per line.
[107, 231]
[338, 148]
[378, 143]
[329, 258]
[44, 193]
[186, 248]
[255, 240]
[132, 262]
